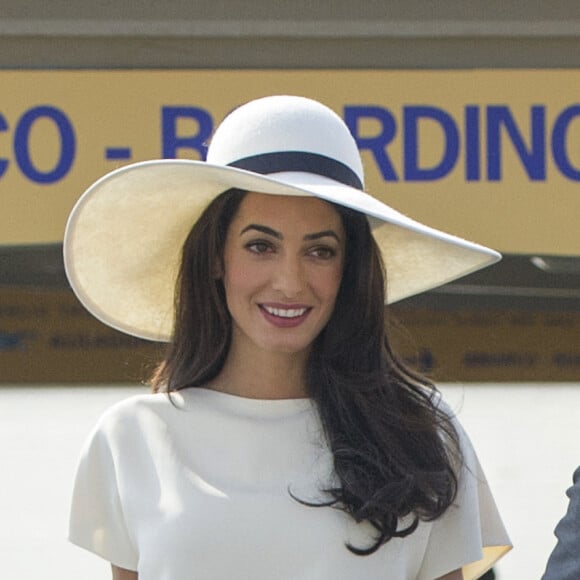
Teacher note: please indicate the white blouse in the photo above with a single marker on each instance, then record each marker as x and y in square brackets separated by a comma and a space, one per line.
[200, 489]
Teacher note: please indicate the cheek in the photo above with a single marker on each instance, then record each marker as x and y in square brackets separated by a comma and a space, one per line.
[234, 281]
[240, 279]
[329, 284]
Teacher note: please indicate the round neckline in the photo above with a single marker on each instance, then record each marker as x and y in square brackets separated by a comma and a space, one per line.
[238, 403]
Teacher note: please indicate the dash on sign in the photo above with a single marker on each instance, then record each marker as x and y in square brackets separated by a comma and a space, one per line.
[116, 153]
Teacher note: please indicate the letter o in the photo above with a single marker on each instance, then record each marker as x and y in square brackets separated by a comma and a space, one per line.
[67, 144]
[559, 134]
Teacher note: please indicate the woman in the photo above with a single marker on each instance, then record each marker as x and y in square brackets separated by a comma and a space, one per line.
[294, 444]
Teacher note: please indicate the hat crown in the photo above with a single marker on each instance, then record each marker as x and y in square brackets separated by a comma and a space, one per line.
[284, 124]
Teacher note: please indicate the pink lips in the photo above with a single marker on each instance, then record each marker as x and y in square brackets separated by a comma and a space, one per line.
[285, 315]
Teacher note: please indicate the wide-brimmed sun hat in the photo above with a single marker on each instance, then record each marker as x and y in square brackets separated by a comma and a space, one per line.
[124, 236]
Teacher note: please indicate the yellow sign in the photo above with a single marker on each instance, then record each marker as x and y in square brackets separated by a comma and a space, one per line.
[490, 345]
[46, 336]
[492, 156]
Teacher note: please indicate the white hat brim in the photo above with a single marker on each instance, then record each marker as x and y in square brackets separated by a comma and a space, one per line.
[123, 239]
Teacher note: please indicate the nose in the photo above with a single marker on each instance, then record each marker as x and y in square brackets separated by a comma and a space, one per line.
[289, 277]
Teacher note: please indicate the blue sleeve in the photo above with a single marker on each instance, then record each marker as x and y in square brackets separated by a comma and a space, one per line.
[564, 562]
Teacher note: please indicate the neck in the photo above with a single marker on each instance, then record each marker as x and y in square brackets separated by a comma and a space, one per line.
[263, 375]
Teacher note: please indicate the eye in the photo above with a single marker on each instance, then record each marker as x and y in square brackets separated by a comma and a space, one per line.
[323, 252]
[259, 246]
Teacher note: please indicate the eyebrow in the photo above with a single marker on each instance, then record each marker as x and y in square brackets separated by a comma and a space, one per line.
[275, 234]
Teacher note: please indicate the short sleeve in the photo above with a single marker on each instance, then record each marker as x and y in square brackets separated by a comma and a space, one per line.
[470, 534]
[97, 522]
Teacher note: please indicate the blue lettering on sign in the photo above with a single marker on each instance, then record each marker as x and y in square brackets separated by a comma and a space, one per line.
[377, 145]
[566, 359]
[559, 135]
[499, 124]
[22, 142]
[472, 139]
[171, 142]
[534, 161]
[3, 162]
[411, 119]
[500, 359]
[481, 136]
[117, 153]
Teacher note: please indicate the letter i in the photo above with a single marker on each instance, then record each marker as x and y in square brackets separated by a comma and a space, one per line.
[472, 145]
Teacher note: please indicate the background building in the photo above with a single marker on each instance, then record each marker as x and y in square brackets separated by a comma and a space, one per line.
[516, 321]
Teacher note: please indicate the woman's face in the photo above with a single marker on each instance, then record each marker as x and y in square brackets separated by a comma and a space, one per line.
[283, 262]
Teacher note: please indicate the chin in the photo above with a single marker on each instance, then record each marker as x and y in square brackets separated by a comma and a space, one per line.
[290, 348]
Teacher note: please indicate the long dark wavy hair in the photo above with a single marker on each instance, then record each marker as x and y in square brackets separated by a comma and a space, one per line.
[396, 452]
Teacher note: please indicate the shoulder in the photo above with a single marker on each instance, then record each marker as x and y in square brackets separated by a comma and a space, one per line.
[444, 409]
[136, 411]
[574, 494]
[134, 404]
